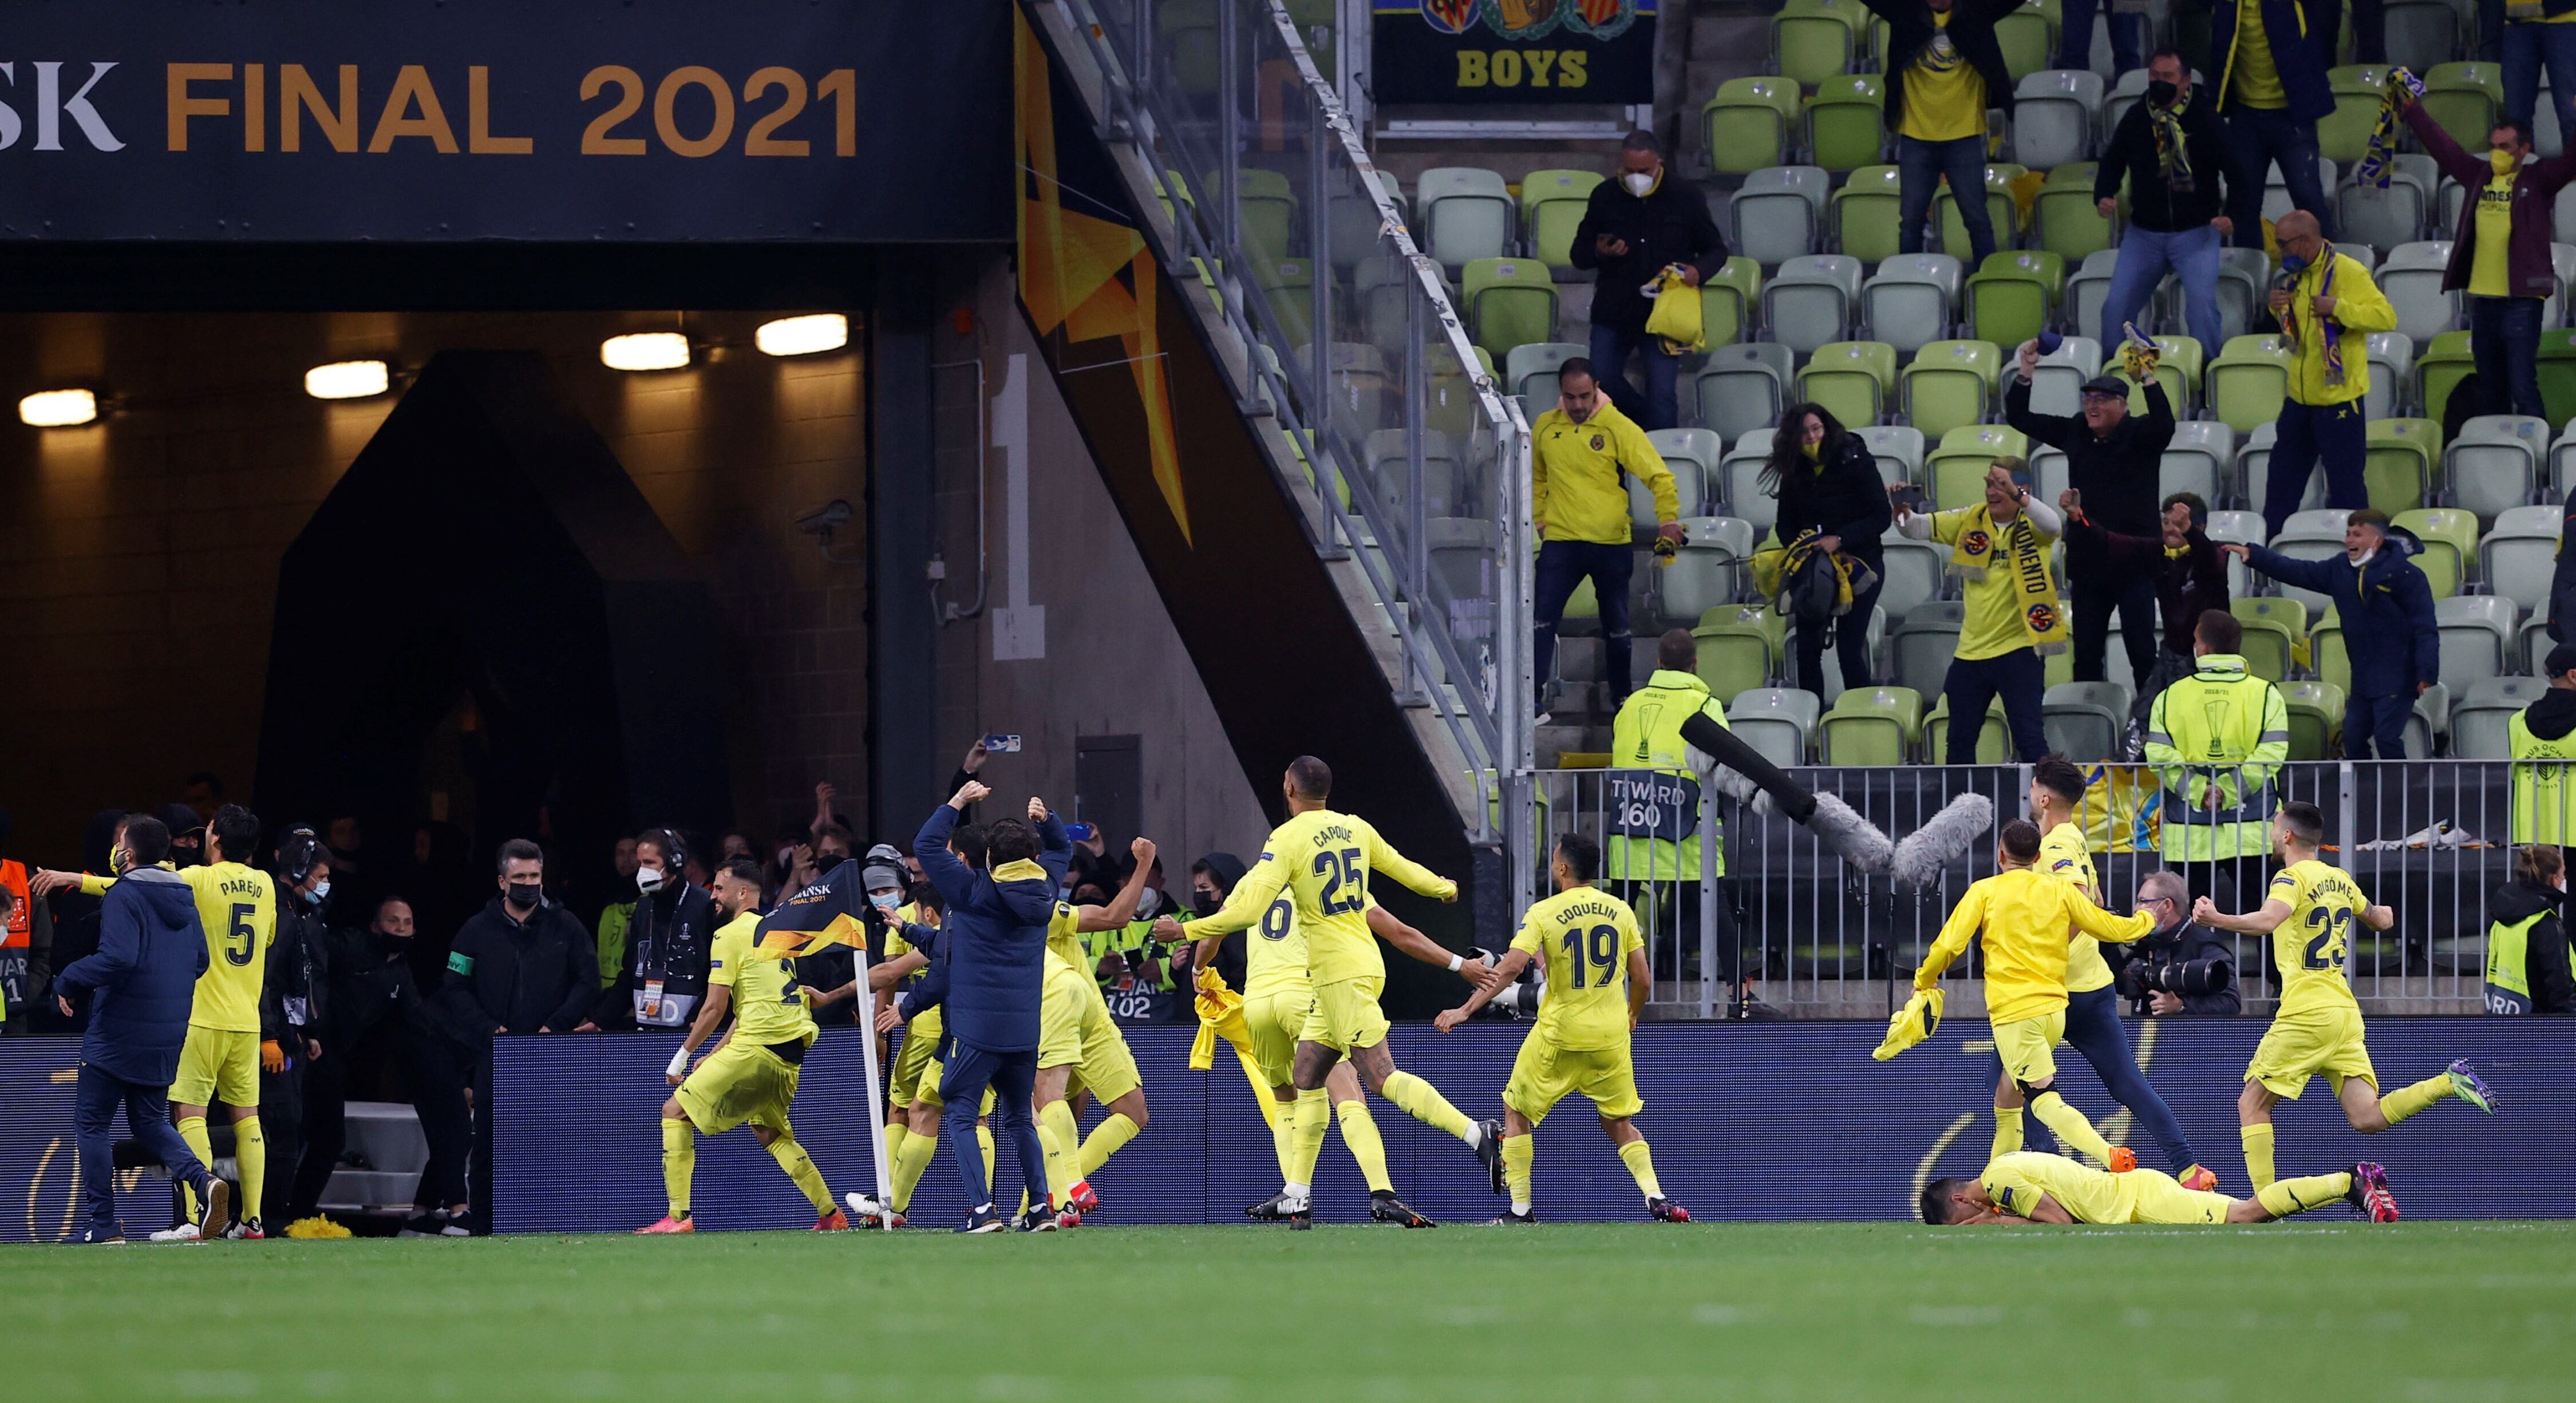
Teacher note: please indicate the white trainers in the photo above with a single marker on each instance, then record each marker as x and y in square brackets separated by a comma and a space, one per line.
[185, 1232]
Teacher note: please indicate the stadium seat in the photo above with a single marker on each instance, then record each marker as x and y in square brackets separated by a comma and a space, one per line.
[2477, 631]
[2392, 218]
[1737, 649]
[1911, 300]
[1707, 572]
[1873, 726]
[1552, 205]
[1462, 551]
[1748, 123]
[1847, 123]
[1469, 215]
[1777, 212]
[1957, 468]
[2429, 722]
[1898, 449]
[1776, 721]
[2087, 288]
[2397, 466]
[1994, 739]
[1809, 303]
[1742, 473]
[1815, 41]
[2533, 643]
[2085, 721]
[1854, 379]
[1741, 387]
[2326, 655]
[2248, 382]
[1949, 384]
[1726, 302]
[2239, 528]
[2273, 628]
[1831, 665]
[1264, 213]
[2070, 225]
[2316, 719]
[2197, 459]
[1913, 575]
[2027, 39]
[2463, 98]
[1384, 285]
[2450, 540]
[1530, 370]
[1441, 479]
[2276, 196]
[2343, 136]
[2013, 295]
[2307, 545]
[1288, 289]
[1509, 302]
[2519, 557]
[2178, 369]
[2057, 383]
[1999, 211]
[1867, 211]
[2412, 279]
[2392, 370]
[1921, 644]
[2243, 275]
[2053, 115]
[2482, 719]
[1699, 450]
[2442, 364]
[2492, 465]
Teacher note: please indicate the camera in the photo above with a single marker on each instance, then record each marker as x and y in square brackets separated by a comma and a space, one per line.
[2183, 978]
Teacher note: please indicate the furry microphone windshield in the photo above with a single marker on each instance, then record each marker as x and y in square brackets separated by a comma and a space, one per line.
[1949, 834]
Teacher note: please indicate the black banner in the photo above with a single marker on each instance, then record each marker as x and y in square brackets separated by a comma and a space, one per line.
[316, 120]
[1516, 52]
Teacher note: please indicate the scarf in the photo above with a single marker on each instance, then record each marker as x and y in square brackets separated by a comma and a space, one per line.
[1852, 578]
[2034, 594]
[2378, 159]
[2172, 161]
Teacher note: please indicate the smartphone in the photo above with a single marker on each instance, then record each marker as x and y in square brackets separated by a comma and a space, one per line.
[1081, 832]
[1908, 496]
[1001, 745]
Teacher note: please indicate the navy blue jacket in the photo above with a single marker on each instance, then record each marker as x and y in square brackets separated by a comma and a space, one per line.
[2296, 34]
[142, 983]
[990, 963]
[2386, 610]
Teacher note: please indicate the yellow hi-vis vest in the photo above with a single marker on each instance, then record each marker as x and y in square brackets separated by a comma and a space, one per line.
[1651, 821]
[2223, 727]
[2508, 964]
[2544, 803]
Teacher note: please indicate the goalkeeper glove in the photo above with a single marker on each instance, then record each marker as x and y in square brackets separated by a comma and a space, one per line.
[1919, 1019]
[272, 1057]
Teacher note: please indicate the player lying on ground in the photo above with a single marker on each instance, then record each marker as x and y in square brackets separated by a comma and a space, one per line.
[1596, 986]
[2029, 1187]
[2317, 1028]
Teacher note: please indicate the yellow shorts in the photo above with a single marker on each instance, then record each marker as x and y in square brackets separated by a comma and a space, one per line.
[1274, 1020]
[2162, 1200]
[2026, 1046]
[1544, 1074]
[920, 1046]
[741, 1082]
[217, 1064]
[1344, 1015]
[2300, 1046]
[1080, 1034]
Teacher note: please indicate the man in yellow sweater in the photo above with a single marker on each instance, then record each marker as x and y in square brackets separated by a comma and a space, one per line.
[1582, 454]
[2327, 314]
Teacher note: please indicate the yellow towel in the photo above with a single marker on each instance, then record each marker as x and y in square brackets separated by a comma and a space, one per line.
[1220, 1016]
[1909, 1025]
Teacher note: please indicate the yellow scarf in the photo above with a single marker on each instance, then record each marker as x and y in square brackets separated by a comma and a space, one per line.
[2034, 593]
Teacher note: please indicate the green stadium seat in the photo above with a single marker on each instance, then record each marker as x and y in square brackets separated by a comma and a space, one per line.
[1725, 301]
[1867, 213]
[1950, 383]
[2013, 295]
[1265, 212]
[2178, 369]
[2249, 381]
[2450, 538]
[2273, 628]
[1854, 379]
[2070, 224]
[1288, 285]
[2028, 40]
[1552, 204]
[1748, 123]
[1739, 649]
[1847, 123]
[1509, 302]
[1873, 726]
[1992, 738]
[1957, 468]
[2327, 657]
[2558, 373]
[2464, 99]
[1815, 41]
[2443, 363]
[2343, 135]
[2397, 469]
[2316, 719]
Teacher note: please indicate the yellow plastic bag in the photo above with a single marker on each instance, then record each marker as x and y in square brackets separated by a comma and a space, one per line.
[1676, 315]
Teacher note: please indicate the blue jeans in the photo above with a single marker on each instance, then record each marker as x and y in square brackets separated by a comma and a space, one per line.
[2376, 719]
[1013, 1076]
[2504, 340]
[2093, 1028]
[1561, 566]
[2145, 255]
[2128, 33]
[1611, 347]
[2337, 433]
[2019, 677]
[2526, 48]
[1919, 168]
[97, 1099]
[2256, 138]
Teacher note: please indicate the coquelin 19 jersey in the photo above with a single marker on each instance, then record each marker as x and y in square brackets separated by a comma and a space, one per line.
[1323, 860]
[2310, 947]
[769, 1006]
[238, 907]
[2064, 855]
[1584, 935]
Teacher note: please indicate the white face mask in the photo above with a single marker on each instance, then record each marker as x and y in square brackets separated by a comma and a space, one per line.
[1638, 184]
[648, 878]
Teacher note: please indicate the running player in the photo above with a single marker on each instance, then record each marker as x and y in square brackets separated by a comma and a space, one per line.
[2317, 1028]
[220, 1059]
[2026, 1187]
[1080, 1050]
[1596, 986]
[2023, 918]
[751, 1075]
[1324, 860]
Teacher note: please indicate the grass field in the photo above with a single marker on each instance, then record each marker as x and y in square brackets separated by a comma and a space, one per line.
[2324, 1310]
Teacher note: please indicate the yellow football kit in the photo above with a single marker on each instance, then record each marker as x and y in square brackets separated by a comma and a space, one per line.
[2318, 1025]
[2024, 917]
[2017, 1181]
[2064, 855]
[1276, 991]
[237, 905]
[1075, 1030]
[753, 1076]
[1580, 1041]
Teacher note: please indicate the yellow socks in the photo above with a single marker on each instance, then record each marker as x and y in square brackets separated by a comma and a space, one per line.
[1359, 1132]
[2405, 1101]
[2290, 1196]
[250, 1156]
[1422, 1101]
[984, 1137]
[1641, 1167]
[896, 1132]
[1061, 1139]
[2258, 1155]
[193, 1130]
[2070, 1125]
[800, 1167]
[2008, 1126]
[1105, 1140]
[908, 1165]
[1272, 1112]
[1282, 1116]
[679, 1162]
[1518, 1150]
[1306, 1137]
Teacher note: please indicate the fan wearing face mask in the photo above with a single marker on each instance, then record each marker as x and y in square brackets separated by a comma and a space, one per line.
[294, 999]
[2172, 152]
[664, 977]
[2500, 253]
[1639, 222]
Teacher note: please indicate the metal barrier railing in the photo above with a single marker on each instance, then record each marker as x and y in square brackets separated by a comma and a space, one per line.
[1814, 937]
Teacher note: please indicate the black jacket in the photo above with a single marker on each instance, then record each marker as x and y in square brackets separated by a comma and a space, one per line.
[2132, 153]
[295, 991]
[371, 984]
[2553, 716]
[2562, 593]
[669, 938]
[1670, 224]
[1847, 499]
[1972, 33]
[502, 974]
[2117, 474]
[2545, 955]
[2187, 585]
[2186, 943]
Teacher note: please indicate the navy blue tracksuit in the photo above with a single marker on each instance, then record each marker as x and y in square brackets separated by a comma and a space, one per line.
[2386, 609]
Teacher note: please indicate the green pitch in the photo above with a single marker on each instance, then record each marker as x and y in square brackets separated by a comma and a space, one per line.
[2328, 1310]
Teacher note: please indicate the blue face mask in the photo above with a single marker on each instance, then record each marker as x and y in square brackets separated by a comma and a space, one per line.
[321, 892]
[2291, 263]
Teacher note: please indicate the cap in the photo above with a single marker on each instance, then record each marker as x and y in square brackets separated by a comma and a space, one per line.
[2562, 660]
[2107, 385]
[886, 852]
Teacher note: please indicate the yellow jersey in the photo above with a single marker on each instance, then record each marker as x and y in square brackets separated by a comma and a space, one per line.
[1945, 96]
[2310, 947]
[238, 907]
[2488, 276]
[2024, 917]
[1323, 859]
[1579, 476]
[2017, 1180]
[769, 1006]
[1274, 953]
[1064, 943]
[1584, 936]
[1994, 625]
[2256, 79]
[2063, 855]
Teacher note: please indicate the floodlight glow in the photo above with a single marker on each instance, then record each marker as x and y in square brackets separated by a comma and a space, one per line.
[803, 336]
[58, 409]
[645, 350]
[347, 379]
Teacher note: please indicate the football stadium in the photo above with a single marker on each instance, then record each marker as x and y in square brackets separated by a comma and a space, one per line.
[1159, 631]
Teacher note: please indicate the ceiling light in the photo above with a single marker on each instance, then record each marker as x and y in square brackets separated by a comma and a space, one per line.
[645, 350]
[58, 409]
[803, 336]
[347, 379]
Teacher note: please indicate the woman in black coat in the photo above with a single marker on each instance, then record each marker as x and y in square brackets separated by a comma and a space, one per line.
[1825, 479]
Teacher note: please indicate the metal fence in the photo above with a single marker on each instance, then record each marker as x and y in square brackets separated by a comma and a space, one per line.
[1815, 938]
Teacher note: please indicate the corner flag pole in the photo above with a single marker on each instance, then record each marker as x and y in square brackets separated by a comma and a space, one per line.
[866, 999]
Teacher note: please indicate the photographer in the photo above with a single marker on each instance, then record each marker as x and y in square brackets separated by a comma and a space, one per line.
[2179, 967]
